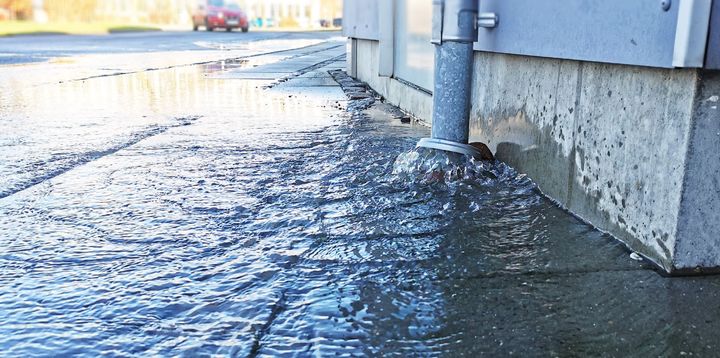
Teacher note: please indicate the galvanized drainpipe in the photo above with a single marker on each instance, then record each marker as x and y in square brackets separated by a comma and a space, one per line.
[454, 31]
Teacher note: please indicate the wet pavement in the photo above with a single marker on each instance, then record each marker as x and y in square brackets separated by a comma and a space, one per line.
[26, 49]
[244, 207]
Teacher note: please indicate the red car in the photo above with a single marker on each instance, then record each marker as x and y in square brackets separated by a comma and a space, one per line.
[213, 14]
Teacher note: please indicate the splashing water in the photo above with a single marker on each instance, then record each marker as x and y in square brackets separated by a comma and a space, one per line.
[430, 165]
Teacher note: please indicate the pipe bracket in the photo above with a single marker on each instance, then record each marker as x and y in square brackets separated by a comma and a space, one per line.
[454, 20]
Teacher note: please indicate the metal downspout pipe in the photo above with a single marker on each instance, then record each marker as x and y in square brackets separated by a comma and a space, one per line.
[454, 31]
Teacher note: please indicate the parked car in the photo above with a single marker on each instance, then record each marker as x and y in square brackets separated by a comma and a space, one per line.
[219, 14]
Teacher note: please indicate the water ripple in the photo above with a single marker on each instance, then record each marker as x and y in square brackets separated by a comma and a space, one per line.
[302, 231]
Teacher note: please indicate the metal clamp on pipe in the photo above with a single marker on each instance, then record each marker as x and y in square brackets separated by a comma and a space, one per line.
[454, 20]
[460, 20]
[455, 28]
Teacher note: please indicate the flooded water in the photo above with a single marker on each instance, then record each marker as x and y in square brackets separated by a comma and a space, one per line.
[194, 211]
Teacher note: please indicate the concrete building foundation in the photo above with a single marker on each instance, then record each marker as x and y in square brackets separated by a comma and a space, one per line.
[633, 150]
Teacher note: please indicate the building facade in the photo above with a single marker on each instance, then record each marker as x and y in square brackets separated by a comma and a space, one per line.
[293, 13]
[301, 13]
[611, 107]
[306, 14]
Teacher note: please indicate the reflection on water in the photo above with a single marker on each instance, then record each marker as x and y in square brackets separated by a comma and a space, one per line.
[228, 219]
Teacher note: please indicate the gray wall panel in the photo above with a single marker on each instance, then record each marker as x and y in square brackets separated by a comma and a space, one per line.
[360, 19]
[712, 61]
[635, 32]
[414, 54]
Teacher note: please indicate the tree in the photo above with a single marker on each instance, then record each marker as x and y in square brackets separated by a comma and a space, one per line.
[19, 9]
[71, 10]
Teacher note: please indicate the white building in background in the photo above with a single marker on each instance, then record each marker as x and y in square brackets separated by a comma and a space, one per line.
[305, 13]
[273, 13]
[300, 13]
[39, 14]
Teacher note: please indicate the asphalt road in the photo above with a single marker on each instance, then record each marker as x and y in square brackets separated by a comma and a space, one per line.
[38, 48]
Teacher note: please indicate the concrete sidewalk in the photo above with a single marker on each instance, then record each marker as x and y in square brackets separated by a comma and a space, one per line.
[249, 207]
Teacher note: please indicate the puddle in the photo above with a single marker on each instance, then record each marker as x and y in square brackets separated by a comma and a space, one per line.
[227, 65]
